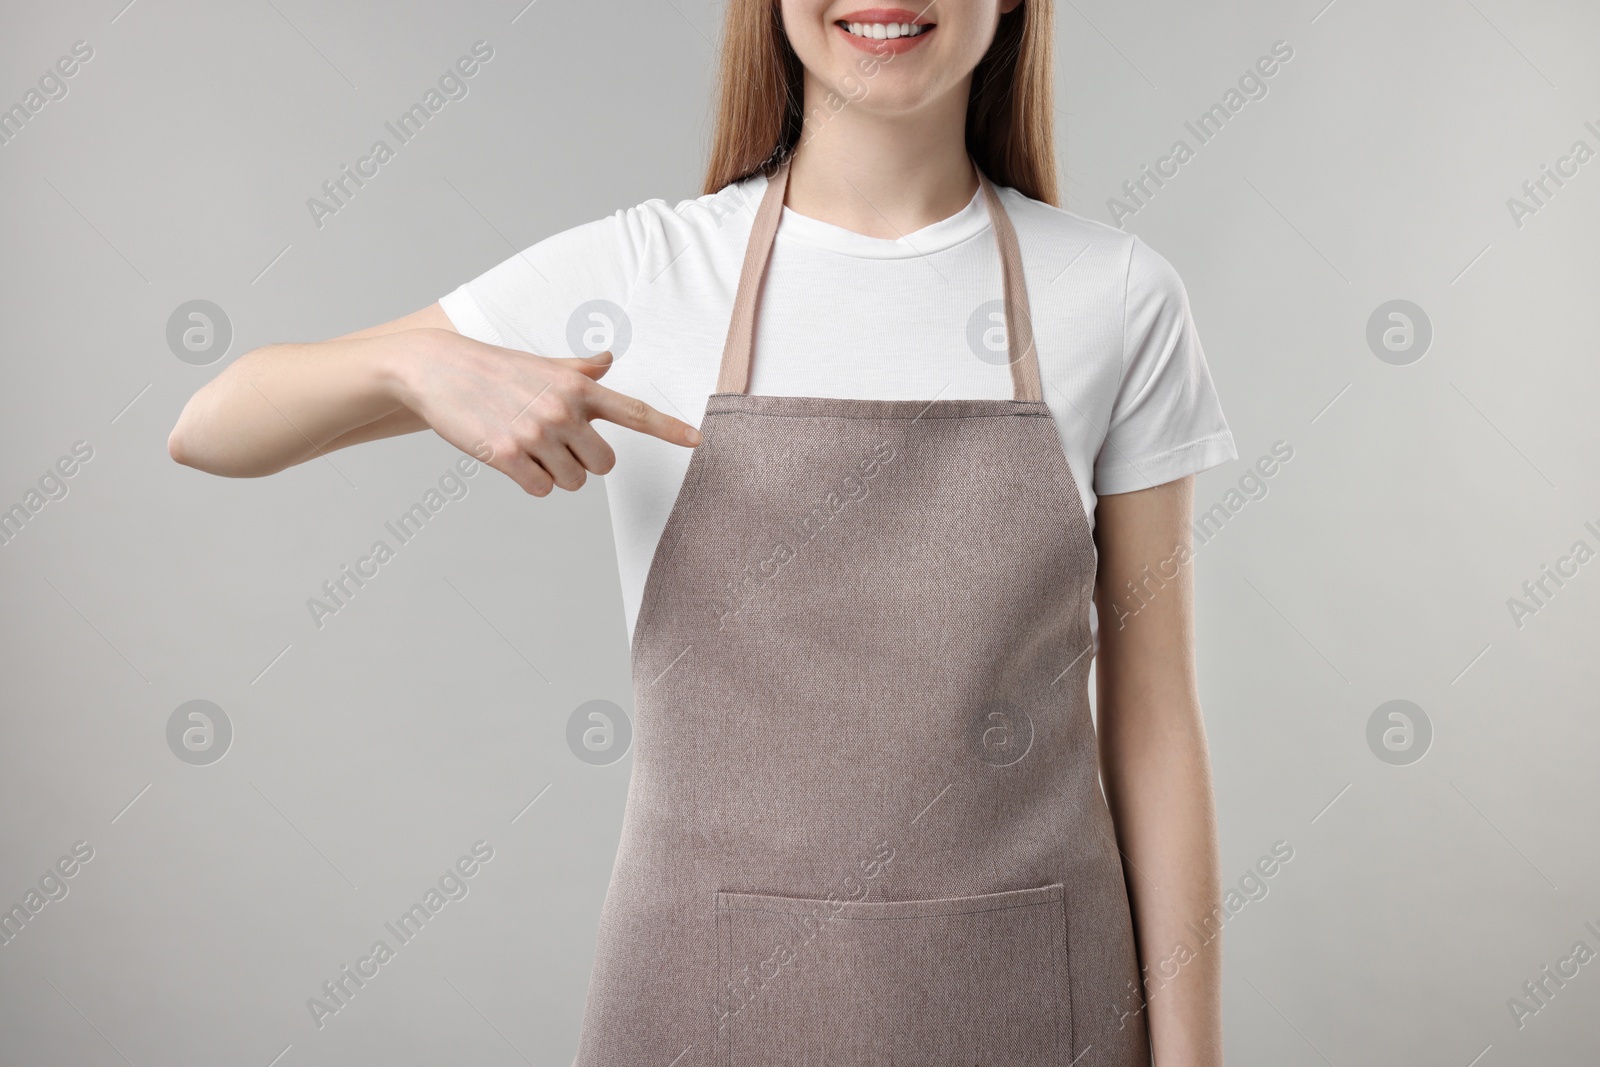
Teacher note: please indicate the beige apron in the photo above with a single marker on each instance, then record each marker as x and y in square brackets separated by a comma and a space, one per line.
[865, 825]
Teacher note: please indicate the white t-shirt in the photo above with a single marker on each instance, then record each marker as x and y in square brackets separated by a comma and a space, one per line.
[842, 314]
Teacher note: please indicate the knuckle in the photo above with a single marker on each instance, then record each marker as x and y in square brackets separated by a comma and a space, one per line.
[635, 409]
[500, 449]
[553, 409]
[572, 381]
[525, 474]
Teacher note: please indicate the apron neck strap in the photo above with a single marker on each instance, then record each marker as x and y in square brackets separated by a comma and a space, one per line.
[734, 376]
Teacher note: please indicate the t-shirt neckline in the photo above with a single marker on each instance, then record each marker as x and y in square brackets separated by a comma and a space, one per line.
[935, 237]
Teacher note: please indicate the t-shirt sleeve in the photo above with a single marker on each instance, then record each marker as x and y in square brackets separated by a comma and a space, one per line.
[567, 295]
[1166, 421]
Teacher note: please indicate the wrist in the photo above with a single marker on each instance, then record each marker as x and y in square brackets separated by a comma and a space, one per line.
[397, 360]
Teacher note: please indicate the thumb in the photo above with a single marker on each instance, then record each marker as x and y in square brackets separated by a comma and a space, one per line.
[594, 366]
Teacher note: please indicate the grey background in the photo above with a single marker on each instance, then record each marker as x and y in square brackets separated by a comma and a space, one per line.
[432, 712]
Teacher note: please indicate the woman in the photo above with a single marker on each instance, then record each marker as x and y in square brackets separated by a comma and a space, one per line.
[865, 823]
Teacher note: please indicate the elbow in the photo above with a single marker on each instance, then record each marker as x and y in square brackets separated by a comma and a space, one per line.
[191, 445]
[186, 444]
[176, 448]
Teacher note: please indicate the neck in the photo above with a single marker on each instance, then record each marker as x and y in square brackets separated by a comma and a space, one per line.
[881, 175]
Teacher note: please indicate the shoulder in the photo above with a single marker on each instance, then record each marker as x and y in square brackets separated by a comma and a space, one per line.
[1057, 225]
[1063, 235]
[709, 212]
[710, 230]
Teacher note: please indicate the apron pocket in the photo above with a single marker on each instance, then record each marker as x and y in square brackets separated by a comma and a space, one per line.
[976, 981]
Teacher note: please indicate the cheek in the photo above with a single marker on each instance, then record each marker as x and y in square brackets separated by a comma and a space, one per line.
[804, 21]
[807, 33]
[966, 46]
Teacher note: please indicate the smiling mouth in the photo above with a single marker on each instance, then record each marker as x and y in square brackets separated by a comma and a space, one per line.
[884, 31]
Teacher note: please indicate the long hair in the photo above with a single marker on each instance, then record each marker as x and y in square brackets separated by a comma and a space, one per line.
[760, 100]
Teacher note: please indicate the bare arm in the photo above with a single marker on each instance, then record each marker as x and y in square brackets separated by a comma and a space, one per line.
[527, 416]
[1154, 759]
[279, 405]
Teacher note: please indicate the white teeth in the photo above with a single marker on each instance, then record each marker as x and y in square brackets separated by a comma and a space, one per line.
[880, 31]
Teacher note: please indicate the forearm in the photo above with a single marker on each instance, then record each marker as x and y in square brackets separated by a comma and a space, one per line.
[282, 404]
[1159, 789]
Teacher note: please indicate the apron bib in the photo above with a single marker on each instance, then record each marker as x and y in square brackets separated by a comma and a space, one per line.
[865, 826]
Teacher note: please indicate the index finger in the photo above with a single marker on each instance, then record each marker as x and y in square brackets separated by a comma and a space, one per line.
[635, 414]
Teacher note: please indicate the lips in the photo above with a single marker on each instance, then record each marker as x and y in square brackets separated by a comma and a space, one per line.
[884, 30]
